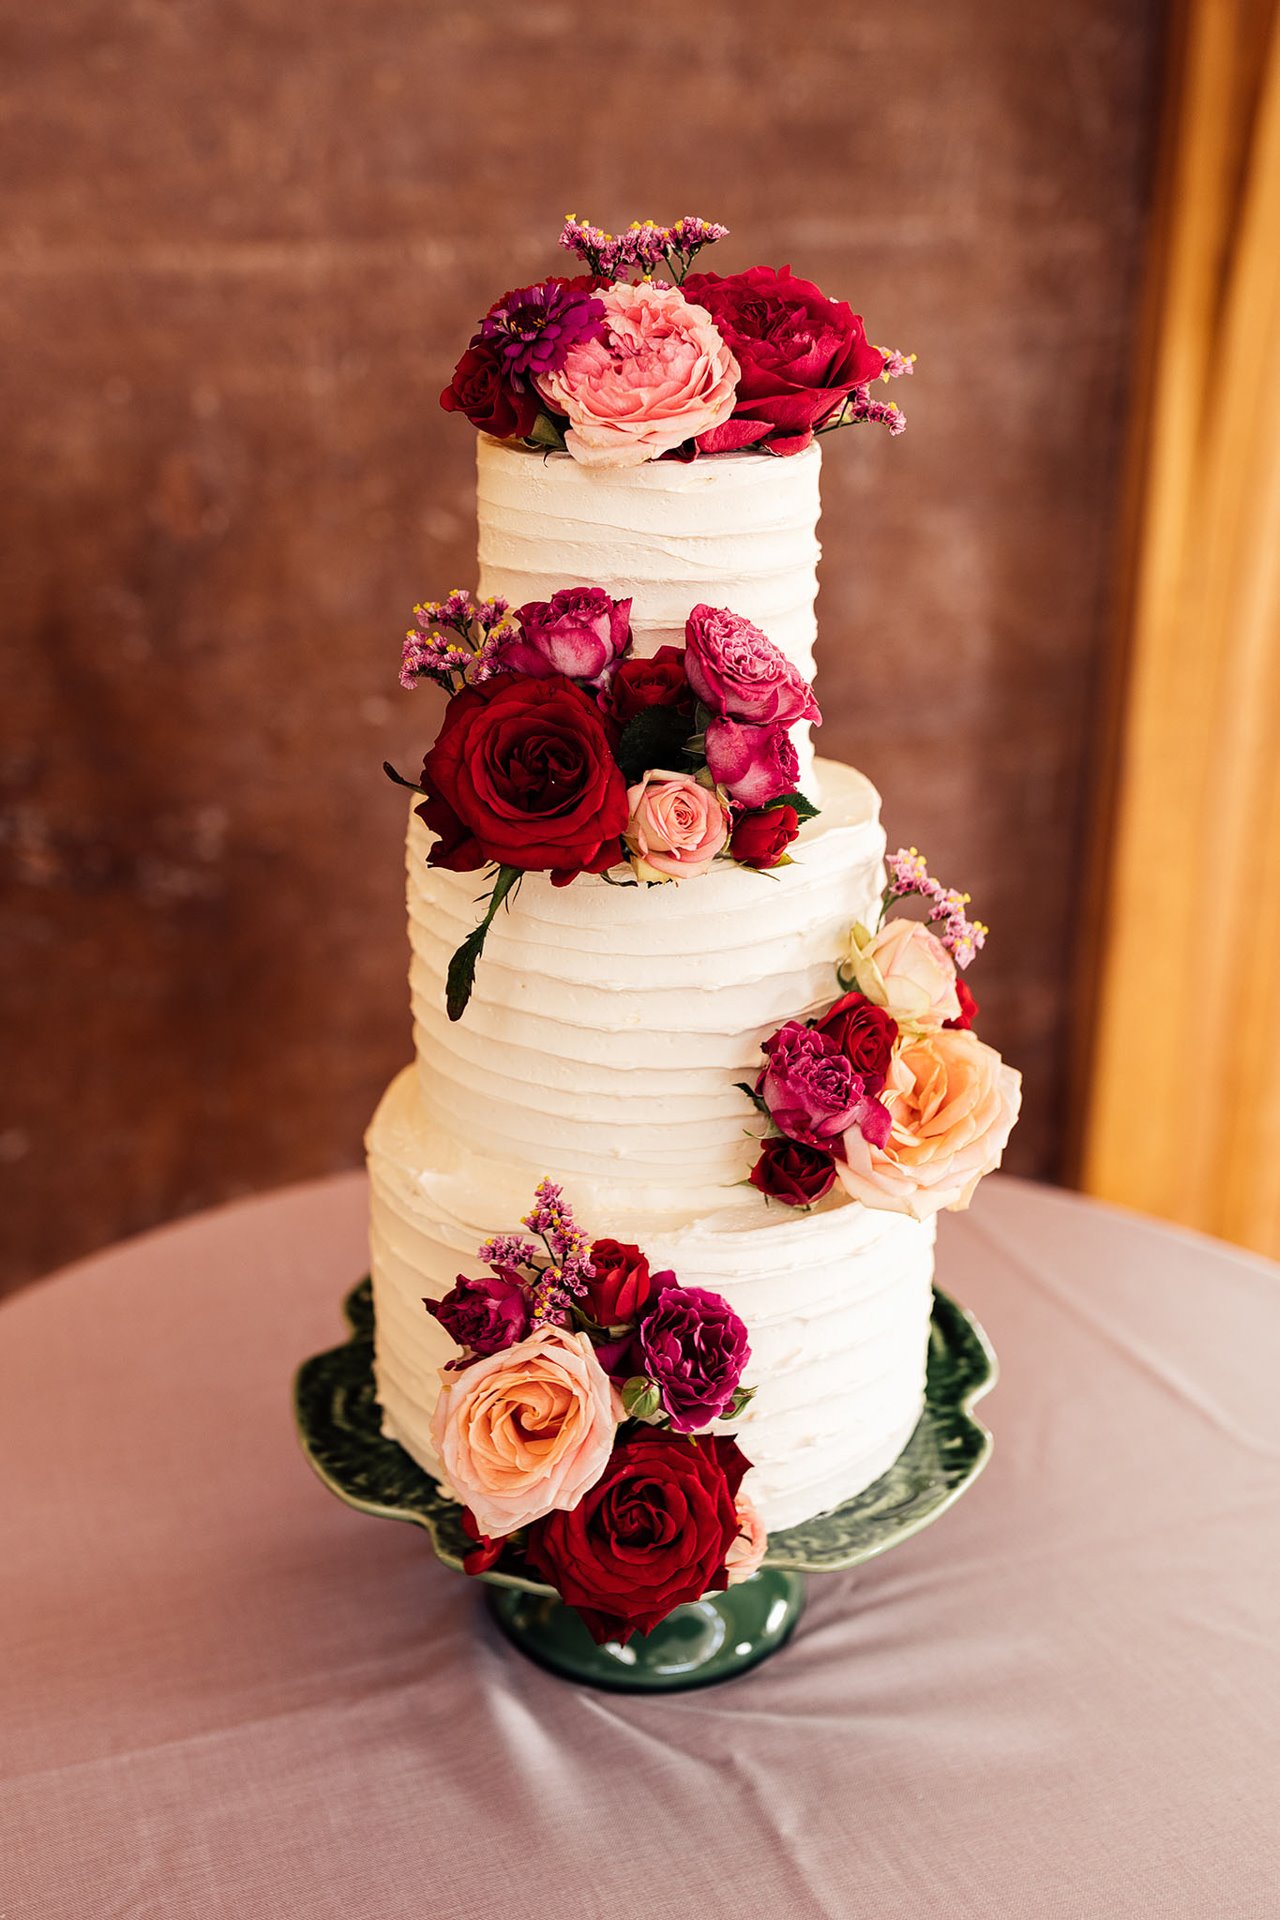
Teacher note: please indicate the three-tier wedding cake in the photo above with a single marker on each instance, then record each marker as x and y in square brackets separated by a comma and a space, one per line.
[740, 1091]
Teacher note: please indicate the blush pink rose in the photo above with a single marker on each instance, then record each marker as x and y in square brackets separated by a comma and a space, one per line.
[660, 374]
[952, 1104]
[526, 1430]
[676, 827]
[748, 1550]
[905, 969]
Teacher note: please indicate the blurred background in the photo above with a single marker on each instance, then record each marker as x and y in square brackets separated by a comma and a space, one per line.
[244, 244]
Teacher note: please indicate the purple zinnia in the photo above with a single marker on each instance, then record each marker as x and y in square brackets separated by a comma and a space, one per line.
[693, 1347]
[536, 326]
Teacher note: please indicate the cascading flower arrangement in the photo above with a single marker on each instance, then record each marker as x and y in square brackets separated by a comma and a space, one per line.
[617, 366]
[572, 1424]
[562, 752]
[890, 1092]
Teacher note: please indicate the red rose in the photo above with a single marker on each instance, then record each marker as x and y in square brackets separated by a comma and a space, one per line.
[658, 682]
[620, 1286]
[653, 1532]
[522, 774]
[800, 356]
[481, 390]
[761, 839]
[793, 1173]
[865, 1034]
[968, 1007]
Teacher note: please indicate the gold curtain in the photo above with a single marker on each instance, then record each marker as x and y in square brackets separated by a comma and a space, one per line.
[1179, 1113]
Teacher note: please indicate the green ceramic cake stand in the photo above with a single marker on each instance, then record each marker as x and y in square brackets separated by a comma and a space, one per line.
[714, 1638]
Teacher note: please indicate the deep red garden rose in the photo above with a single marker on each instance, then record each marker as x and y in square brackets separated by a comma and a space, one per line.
[485, 1313]
[480, 389]
[865, 1034]
[653, 1532]
[800, 355]
[522, 775]
[968, 1007]
[761, 839]
[657, 682]
[621, 1283]
[793, 1173]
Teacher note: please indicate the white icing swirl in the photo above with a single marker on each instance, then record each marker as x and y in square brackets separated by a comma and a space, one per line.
[736, 530]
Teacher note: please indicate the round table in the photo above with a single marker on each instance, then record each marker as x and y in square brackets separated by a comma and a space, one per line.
[224, 1694]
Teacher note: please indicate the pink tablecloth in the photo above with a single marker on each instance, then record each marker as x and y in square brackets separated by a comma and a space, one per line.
[226, 1695]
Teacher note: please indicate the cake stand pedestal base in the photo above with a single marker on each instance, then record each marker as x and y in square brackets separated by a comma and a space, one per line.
[711, 1639]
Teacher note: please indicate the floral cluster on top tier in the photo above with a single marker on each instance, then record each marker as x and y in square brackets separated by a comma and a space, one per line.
[571, 1424]
[890, 1092]
[562, 752]
[617, 370]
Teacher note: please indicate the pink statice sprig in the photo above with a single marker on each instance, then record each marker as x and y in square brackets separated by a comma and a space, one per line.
[859, 409]
[455, 642]
[643, 248]
[947, 909]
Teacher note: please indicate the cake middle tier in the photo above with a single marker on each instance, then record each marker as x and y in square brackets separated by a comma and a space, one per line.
[610, 1023]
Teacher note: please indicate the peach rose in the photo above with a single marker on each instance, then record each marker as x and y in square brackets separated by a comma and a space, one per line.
[660, 374]
[744, 1556]
[905, 969]
[676, 827]
[952, 1104]
[526, 1429]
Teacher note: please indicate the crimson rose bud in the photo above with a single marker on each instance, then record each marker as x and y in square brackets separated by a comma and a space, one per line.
[653, 1532]
[486, 1314]
[865, 1034]
[620, 1286]
[481, 390]
[485, 1552]
[761, 839]
[793, 1173]
[968, 1007]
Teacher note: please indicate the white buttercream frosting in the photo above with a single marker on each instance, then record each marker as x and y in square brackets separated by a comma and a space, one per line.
[836, 1302]
[609, 1023]
[736, 530]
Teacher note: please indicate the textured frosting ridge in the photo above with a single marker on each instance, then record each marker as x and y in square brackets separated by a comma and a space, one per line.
[836, 1303]
[609, 1023]
[735, 531]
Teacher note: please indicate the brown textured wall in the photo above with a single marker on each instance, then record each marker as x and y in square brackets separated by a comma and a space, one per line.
[243, 243]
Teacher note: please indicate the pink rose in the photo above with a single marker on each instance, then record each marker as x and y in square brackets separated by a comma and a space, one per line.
[676, 827]
[737, 671]
[659, 375]
[755, 764]
[811, 1091]
[952, 1103]
[580, 632]
[526, 1430]
[748, 1550]
[905, 969]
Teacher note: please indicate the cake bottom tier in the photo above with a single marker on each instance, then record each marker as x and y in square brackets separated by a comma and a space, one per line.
[836, 1302]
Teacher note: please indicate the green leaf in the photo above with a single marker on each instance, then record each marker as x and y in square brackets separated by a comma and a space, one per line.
[400, 780]
[548, 433]
[805, 809]
[640, 1398]
[742, 1397]
[654, 737]
[462, 968]
[757, 1100]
